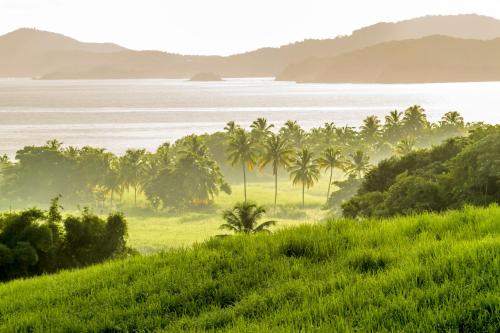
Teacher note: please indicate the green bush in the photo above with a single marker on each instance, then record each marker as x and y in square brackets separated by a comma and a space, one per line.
[34, 241]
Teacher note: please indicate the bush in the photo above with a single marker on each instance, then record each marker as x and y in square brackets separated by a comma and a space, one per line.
[34, 241]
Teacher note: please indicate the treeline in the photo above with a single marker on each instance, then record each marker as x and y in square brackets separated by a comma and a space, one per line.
[191, 171]
[463, 170]
[34, 241]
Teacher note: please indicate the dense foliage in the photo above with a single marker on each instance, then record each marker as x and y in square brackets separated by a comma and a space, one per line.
[460, 171]
[195, 169]
[426, 273]
[34, 241]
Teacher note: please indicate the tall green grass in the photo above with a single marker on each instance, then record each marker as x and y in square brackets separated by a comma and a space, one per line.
[421, 273]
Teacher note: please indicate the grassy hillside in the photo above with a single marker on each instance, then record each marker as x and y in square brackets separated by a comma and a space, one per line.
[151, 233]
[422, 273]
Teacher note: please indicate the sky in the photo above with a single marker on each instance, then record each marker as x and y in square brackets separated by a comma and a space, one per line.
[218, 26]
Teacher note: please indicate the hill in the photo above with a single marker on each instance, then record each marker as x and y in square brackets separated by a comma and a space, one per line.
[426, 60]
[421, 273]
[32, 53]
[205, 77]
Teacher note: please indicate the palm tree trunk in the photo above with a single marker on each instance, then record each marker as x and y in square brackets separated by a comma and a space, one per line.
[275, 190]
[329, 184]
[135, 196]
[244, 181]
[303, 191]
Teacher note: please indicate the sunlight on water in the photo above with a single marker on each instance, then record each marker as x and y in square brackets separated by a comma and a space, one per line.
[119, 114]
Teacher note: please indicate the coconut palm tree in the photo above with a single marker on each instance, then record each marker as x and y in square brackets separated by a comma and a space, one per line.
[452, 124]
[392, 126]
[304, 170]
[405, 146]
[329, 160]
[415, 120]
[241, 149]
[370, 130]
[243, 218]
[132, 168]
[112, 180]
[293, 132]
[231, 127]
[277, 153]
[358, 164]
[261, 129]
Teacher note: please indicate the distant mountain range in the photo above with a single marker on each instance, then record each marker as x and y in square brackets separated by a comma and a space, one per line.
[359, 57]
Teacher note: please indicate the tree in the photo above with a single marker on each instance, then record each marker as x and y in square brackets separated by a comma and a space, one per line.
[243, 218]
[304, 170]
[231, 127]
[261, 129]
[241, 149]
[358, 164]
[133, 169]
[329, 160]
[294, 133]
[370, 130]
[277, 153]
[393, 125]
[415, 121]
[405, 146]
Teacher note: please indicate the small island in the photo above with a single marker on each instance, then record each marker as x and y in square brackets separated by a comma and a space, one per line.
[203, 77]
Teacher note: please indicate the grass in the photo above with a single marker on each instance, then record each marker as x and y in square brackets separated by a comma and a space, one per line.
[152, 233]
[422, 273]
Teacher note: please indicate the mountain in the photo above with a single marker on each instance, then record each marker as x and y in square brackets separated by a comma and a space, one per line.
[33, 53]
[425, 60]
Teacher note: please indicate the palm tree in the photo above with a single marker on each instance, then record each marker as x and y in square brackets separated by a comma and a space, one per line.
[241, 149]
[392, 126]
[370, 129]
[292, 131]
[243, 219]
[330, 159]
[133, 165]
[304, 170]
[358, 164]
[261, 129]
[231, 127]
[415, 120]
[112, 180]
[405, 146]
[278, 153]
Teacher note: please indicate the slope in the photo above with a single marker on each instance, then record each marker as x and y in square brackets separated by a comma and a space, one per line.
[421, 273]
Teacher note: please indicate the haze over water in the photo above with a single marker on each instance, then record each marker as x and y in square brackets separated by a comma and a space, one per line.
[121, 114]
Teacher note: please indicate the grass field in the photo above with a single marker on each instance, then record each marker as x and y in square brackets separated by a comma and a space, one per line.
[424, 273]
[176, 229]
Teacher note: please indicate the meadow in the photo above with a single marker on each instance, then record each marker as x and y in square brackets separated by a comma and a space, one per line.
[152, 232]
[421, 273]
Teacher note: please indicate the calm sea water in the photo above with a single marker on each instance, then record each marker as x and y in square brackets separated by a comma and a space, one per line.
[119, 114]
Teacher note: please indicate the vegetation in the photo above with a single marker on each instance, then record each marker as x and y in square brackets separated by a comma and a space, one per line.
[402, 274]
[194, 170]
[304, 170]
[463, 170]
[243, 218]
[34, 242]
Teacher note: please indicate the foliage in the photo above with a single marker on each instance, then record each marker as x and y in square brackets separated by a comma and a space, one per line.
[243, 218]
[34, 241]
[97, 178]
[458, 172]
[425, 273]
[304, 170]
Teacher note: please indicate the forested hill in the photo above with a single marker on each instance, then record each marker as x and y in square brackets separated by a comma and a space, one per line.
[32, 53]
[427, 60]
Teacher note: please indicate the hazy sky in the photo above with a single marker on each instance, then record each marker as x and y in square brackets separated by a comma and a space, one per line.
[218, 26]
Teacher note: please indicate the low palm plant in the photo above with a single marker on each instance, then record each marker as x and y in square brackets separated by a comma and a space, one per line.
[243, 218]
